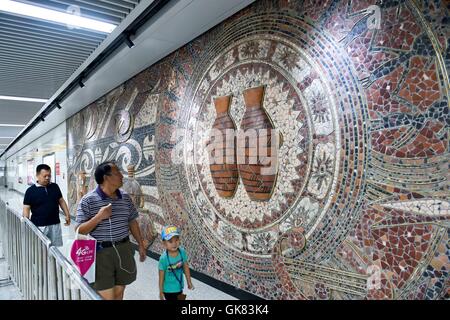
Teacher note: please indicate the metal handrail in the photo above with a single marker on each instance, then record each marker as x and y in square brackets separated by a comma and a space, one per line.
[39, 270]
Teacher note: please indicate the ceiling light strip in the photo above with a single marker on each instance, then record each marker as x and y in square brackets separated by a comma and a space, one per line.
[23, 99]
[55, 16]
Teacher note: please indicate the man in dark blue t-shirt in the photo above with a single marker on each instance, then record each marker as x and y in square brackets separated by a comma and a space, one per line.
[43, 199]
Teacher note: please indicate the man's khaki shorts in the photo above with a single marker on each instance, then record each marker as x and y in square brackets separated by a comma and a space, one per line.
[111, 271]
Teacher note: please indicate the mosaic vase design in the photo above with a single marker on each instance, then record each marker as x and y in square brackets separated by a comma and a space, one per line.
[92, 183]
[253, 171]
[146, 226]
[82, 188]
[223, 166]
[72, 188]
[133, 188]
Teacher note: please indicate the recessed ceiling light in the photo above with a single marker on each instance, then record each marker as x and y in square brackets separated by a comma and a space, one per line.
[22, 98]
[55, 16]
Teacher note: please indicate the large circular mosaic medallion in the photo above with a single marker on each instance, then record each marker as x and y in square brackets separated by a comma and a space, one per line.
[245, 65]
[301, 97]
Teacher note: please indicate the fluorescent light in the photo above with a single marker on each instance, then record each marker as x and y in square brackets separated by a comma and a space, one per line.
[22, 98]
[55, 16]
[11, 125]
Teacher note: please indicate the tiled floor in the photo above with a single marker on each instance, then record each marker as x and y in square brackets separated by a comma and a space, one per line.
[144, 288]
[146, 285]
[8, 291]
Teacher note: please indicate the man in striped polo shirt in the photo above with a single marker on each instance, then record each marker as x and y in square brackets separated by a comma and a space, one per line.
[108, 214]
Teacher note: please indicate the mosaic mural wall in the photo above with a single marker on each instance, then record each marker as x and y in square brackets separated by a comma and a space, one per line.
[121, 127]
[357, 93]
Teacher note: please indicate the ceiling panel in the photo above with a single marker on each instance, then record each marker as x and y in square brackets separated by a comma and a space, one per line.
[36, 49]
[38, 88]
[9, 131]
[4, 140]
[40, 50]
[112, 11]
[154, 40]
[37, 56]
[17, 112]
